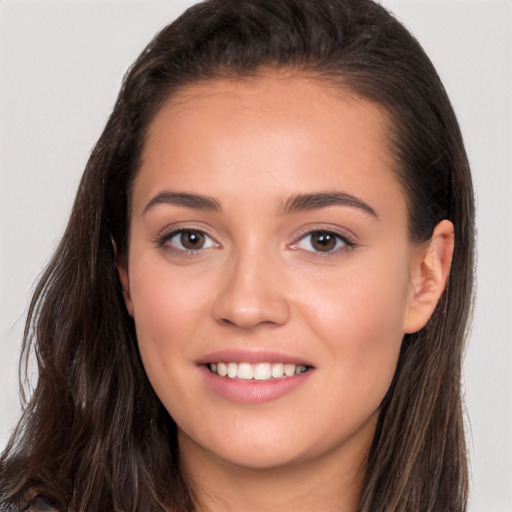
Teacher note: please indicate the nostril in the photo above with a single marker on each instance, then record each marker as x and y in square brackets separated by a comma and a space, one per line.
[226, 322]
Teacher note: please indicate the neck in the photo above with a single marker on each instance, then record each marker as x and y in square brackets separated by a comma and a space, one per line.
[322, 484]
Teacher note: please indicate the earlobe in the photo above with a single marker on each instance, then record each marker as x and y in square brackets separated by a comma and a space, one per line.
[122, 272]
[429, 275]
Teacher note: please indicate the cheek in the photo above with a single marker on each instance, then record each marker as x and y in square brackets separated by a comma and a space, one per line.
[366, 300]
[164, 300]
[166, 309]
[360, 317]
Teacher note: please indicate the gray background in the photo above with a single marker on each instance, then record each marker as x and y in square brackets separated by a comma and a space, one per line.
[61, 64]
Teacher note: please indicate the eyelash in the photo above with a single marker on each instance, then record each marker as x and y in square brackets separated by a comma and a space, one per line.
[346, 243]
[165, 239]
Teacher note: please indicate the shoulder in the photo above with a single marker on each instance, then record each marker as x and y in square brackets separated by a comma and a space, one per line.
[41, 503]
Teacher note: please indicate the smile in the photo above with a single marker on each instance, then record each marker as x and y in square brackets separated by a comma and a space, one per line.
[258, 371]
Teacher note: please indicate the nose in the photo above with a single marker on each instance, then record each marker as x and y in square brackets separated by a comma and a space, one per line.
[252, 294]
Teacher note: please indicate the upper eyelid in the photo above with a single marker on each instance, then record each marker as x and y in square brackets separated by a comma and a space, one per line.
[345, 237]
[171, 230]
[165, 235]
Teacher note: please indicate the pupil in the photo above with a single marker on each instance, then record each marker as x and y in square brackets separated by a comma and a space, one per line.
[323, 242]
[192, 240]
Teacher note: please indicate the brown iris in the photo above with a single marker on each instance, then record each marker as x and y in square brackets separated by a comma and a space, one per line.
[192, 239]
[322, 241]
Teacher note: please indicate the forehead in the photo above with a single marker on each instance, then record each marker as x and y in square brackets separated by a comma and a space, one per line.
[285, 95]
[277, 131]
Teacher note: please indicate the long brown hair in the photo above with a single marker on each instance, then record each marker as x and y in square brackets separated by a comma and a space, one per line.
[93, 434]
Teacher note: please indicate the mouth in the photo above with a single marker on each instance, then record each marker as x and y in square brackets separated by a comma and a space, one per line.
[253, 377]
[264, 371]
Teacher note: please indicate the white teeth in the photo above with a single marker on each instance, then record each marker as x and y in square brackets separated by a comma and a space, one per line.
[244, 371]
[258, 371]
[289, 370]
[262, 371]
[277, 370]
[221, 369]
[232, 370]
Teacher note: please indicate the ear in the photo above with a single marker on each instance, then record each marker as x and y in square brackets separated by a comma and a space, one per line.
[429, 274]
[122, 272]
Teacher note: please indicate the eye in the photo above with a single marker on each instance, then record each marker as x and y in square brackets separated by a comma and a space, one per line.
[323, 242]
[187, 240]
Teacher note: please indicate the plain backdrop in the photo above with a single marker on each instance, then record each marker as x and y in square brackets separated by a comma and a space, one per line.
[61, 65]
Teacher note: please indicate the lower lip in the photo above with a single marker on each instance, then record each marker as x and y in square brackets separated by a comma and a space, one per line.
[252, 391]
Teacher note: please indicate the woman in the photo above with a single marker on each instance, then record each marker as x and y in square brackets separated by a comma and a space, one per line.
[261, 297]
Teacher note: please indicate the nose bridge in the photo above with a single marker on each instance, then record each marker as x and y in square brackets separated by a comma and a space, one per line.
[252, 291]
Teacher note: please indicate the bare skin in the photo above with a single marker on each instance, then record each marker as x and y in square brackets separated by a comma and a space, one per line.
[296, 487]
[268, 227]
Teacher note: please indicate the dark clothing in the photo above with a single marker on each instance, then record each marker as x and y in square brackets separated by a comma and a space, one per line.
[41, 503]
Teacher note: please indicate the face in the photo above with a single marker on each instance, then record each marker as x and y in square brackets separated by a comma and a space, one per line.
[268, 241]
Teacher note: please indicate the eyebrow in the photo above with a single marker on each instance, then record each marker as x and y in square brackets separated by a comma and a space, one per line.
[196, 201]
[318, 200]
[300, 202]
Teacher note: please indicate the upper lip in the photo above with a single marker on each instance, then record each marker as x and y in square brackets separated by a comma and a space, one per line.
[253, 356]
